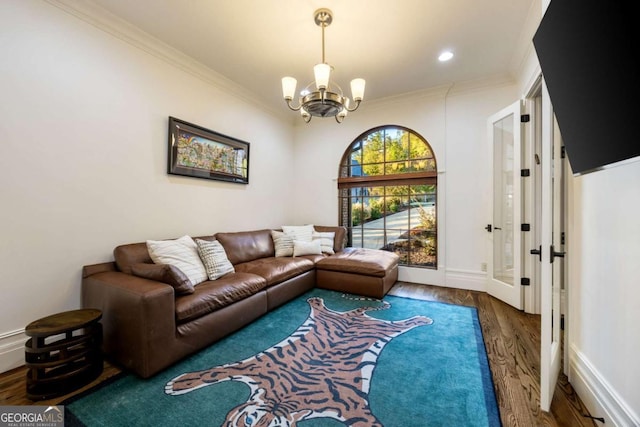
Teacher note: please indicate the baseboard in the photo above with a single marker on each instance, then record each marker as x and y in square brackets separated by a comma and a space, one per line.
[466, 279]
[12, 349]
[597, 394]
[445, 277]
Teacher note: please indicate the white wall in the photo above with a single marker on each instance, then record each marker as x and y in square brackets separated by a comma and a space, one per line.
[454, 123]
[604, 292]
[83, 163]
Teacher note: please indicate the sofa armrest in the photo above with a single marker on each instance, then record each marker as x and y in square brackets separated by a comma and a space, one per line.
[138, 316]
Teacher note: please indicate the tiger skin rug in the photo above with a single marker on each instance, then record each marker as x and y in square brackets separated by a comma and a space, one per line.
[322, 370]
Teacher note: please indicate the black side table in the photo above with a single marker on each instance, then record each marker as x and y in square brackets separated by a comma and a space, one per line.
[64, 352]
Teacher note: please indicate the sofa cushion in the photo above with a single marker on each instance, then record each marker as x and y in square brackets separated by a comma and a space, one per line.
[214, 259]
[211, 295]
[276, 270]
[368, 262]
[182, 253]
[164, 273]
[246, 246]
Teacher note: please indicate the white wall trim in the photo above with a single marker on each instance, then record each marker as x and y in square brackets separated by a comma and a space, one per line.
[466, 279]
[12, 349]
[424, 276]
[446, 277]
[597, 394]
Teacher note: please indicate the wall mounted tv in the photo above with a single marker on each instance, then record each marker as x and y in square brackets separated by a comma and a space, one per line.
[586, 50]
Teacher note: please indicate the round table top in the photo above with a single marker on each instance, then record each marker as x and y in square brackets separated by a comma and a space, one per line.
[62, 322]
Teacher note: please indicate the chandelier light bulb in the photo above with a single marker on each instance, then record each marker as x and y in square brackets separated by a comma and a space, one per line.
[289, 87]
[357, 89]
[322, 72]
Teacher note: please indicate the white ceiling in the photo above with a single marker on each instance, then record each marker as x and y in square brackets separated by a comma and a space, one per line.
[394, 45]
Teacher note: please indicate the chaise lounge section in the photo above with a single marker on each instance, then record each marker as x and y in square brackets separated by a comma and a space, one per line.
[358, 271]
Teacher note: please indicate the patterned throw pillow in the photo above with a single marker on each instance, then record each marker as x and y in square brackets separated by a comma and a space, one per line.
[326, 241]
[181, 253]
[306, 248]
[283, 243]
[303, 233]
[214, 258]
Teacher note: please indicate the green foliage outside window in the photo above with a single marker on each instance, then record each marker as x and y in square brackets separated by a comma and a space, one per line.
[405, 215]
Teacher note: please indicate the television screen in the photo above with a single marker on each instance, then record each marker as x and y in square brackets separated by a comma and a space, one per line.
[586, 50]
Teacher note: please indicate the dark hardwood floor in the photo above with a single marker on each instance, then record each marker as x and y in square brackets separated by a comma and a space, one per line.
[512, 340]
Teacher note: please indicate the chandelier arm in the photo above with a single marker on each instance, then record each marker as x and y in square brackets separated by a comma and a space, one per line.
[307, 118]
[354, 108]
[339, 118]
[291, 107]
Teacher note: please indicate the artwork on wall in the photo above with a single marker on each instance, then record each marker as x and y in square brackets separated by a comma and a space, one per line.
[202, 153]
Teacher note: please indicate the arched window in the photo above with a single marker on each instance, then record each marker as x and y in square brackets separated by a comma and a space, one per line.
[387, 190]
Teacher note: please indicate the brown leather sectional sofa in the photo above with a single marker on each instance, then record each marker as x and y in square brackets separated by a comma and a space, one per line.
[148, 326]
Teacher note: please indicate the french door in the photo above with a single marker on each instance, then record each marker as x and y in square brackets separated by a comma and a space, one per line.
[506, 251]
[552, 246]
[505, 248]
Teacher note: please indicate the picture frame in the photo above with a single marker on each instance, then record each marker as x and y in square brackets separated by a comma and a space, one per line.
[198, 152]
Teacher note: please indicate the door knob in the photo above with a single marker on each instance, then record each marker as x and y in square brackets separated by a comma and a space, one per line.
[537, 252]
[488, 228]
[555, 254]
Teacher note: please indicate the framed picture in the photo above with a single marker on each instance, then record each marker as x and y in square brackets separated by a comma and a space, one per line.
[202, 153]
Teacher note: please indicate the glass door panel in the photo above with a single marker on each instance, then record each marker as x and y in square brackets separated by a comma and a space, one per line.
[504, 238]
[503, 200]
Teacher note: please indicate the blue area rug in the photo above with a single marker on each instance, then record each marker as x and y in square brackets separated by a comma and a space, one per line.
[324, 359]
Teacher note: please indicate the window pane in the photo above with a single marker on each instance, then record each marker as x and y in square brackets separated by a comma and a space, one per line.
[373, 154]
[356, 170]
[397, 167]
[429, 189]
[419, 150]
[373, 238]
[355, 237]
[397, 190]
[373, 169]
[397, 145]
[423, 250]
[373, 210]
[356, 154]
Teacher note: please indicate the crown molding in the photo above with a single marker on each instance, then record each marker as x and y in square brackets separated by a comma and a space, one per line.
[121, 29]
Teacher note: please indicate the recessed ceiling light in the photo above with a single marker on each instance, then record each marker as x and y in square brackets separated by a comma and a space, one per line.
[445, 56]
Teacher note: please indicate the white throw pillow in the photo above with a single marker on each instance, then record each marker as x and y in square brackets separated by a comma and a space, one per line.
[326, 240]
[214, 258]
[283, 243]
[181, 253]
[306, 248]
[303, 233]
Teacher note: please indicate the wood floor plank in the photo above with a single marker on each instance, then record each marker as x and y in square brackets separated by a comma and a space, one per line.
[512, 342]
